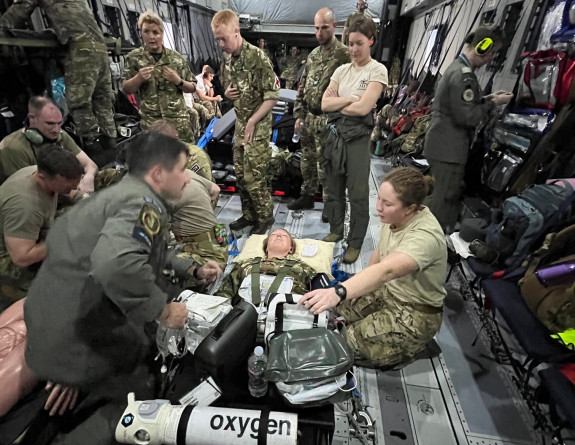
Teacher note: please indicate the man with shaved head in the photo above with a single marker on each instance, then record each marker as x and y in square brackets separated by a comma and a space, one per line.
[321, 63]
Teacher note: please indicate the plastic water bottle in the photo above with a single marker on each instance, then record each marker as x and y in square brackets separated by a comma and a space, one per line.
[257, 363]
[297, 134]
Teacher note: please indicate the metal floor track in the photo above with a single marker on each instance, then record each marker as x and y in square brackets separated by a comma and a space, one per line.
[460, 397]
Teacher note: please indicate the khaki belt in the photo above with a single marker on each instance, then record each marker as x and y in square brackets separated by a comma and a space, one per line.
[209, 235]
[425, 308]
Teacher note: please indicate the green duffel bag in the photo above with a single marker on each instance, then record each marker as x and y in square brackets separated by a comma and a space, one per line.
[307, 354]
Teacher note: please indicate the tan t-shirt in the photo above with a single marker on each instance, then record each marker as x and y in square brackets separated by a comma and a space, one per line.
[26, 211]
[18, 152]
[353, 80]
[423, 240]
[193, 212]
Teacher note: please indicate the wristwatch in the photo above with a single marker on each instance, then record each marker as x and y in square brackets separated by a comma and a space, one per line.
[340, 291]
[181, 84]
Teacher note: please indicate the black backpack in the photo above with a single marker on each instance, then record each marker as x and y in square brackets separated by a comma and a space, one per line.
[527, 218]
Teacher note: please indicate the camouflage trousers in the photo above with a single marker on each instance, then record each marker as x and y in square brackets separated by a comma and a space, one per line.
[89, 94]
[203, 115]
[384, 122]
[311, 172]
[386, 331]
[199, 162]
[251, 163]
[195, 122]
[107, 177]
[203, 252]
[183, 124]
[278, 164]
[14, 282]
[212, 108]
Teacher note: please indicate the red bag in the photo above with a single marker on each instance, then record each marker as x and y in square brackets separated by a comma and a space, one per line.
[546, 79]
[406, 121]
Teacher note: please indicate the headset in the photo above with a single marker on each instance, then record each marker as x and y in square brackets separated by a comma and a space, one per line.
[35, 136]
[484, 46]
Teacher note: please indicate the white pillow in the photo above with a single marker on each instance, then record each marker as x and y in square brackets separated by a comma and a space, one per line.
[317, 254]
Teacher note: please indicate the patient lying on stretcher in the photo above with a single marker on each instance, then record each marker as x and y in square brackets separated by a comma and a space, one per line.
[281, 267]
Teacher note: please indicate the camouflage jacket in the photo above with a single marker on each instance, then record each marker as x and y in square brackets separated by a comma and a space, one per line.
[252, 74]
[160, 98]
[315, 79]
[291, 67]
[352, 18]
[71, 20]
[300, 272]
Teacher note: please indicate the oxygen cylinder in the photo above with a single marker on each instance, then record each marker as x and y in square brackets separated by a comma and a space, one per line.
[156, 422]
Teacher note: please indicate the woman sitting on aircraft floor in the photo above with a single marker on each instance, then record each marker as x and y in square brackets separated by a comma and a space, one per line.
[394, 306]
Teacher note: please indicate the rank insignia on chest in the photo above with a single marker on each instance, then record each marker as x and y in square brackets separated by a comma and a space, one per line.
[148, 225]
[468, 95]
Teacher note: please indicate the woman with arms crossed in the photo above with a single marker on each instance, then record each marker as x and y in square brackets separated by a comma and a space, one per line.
[349, 100]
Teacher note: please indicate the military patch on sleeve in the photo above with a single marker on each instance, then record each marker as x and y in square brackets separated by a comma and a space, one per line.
[195, 168]
[468, 95]
[148, 225]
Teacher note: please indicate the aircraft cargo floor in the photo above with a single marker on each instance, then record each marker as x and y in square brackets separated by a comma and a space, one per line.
[461, 396]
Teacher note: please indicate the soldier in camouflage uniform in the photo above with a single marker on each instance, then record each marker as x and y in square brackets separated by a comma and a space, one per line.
[253, 86]
[89, 94]
[262, 44]
[320, 65]
[161, 75]
[279, 248]
[394, 306]
[291, 67]
[361, 8]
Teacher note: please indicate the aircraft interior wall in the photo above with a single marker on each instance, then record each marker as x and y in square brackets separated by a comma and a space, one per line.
[459, 17]
[299, 12]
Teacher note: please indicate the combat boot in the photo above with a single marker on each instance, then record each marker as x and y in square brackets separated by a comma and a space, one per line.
[351, 255]
[262, 227]
[303, 202]
[332, 238]
[241, 223]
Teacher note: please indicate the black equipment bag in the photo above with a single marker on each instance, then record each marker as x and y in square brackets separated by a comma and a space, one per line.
[222, 355]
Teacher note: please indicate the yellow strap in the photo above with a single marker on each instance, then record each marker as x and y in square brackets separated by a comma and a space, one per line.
[567, 337]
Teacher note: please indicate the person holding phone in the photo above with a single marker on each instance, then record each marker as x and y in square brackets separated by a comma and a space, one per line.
[457, 110]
